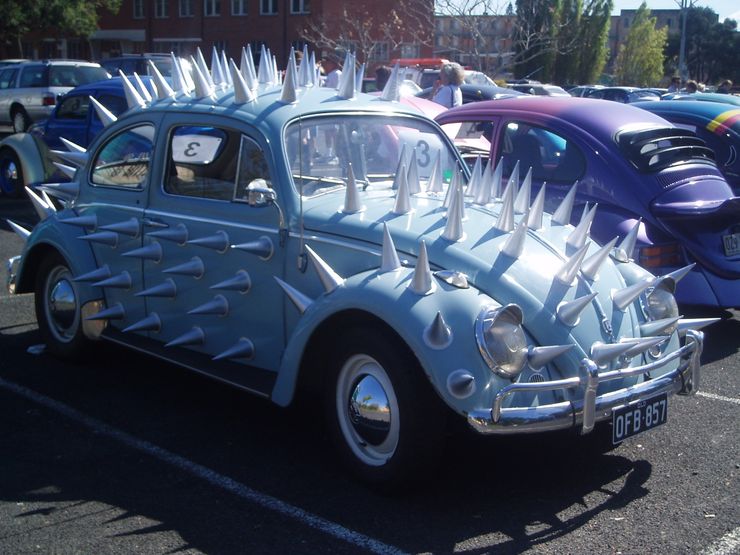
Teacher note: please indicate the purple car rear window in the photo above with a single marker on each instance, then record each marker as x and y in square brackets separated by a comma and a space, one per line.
[652, 150]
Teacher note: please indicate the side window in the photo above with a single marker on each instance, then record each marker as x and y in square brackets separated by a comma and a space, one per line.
[551, 157]
[125, 159]
[203, 162]
[252, 165]
[7, 76]
[74, 107]
[33, 76]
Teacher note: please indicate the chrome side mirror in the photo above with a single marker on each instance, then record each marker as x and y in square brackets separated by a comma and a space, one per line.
[259, 194]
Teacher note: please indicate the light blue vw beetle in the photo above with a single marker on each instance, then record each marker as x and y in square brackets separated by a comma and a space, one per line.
[276, 235]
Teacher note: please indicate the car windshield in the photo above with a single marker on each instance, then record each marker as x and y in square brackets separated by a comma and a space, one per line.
[320, 150]
[72, 76]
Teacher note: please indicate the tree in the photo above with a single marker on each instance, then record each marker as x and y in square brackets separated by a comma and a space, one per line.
[565, 65]
[536, 38]
[592, 41]
[67, 17]
[640, 58]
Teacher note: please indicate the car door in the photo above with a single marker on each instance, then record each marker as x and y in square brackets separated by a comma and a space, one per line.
[7, 89]
[70, 119]
[111, 213]
[212, 297]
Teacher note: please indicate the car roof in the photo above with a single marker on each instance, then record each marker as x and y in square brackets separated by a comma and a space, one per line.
[59, 63]
[585, 113]
[114, 84]
[728, 115]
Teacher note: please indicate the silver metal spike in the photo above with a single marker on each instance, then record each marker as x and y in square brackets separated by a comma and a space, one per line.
[513, 181]
[590, 267]
[351, 197]
[63, 191]
[359, 77]
[299, 300]
[622, 298]
[514, 245]
[401, 167]
[453, 230]
[179, 81]
[200, 61]
[152, 251]
[539, 357]
[498, 174]
[263, 71]
[505, 220]
[22, 232]
[47, 199]
[289, 94]
[434, 185]
[241, 282]
[243, 348]
[476, 175]
[521, 204]
[678, 275]
[217, 72]
[247, 69]
[130, 227]
[563, 211]
[438, 335]
[81, 221]
[163, 87]
[242, 93]
[602, 353]
[392, 90]
[194, 268]
[534, 218]
[69, 171]
[167, 290]
[195, 336]
[655, 327]
[228, 81]
[578, 237]
[115, 312]
[79, 159]
[412, 177]
[422, 282]
[141, 88]
[685, 324]
[261, 247]
[623, 252]
[203, 89]
[104, 114]
[642, 344]
[402, 204]
[96, 275]
[347, 86]
[218, 306]
[133, 98]
[570, 312]
[219, 241]
[461, 384]
[483, 196]
[119, 281]
[389, 261]
[329, 278]
[150, 323]
[72, 147]
[43, 210]
[109, 238]
[177, 234]
[451, 189]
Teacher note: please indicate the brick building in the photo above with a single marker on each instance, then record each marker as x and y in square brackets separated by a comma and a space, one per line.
[180, 26]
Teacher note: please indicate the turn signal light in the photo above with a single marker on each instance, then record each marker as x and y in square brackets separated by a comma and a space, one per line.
[660, 256]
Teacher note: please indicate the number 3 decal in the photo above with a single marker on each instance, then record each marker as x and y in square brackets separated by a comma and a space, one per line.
[190, 150]
[422, 147]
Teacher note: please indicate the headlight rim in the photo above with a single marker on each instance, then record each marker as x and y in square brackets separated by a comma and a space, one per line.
[510, 310]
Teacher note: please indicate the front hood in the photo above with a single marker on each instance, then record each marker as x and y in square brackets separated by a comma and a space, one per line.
[527, 280]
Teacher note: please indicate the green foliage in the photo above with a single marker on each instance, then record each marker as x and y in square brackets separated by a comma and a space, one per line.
[640, 58]
[593, 49]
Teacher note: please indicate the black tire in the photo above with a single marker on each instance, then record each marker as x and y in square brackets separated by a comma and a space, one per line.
[390, 449]
[11, 174]
[21, 121]
[58, 309]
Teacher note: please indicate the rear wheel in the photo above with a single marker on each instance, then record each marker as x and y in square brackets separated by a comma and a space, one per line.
[21, 121]
[11, 173]
[385, 420]
[58, 309]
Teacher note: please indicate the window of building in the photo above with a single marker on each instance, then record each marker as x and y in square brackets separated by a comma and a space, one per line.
[410, 50]
[380, 52]
[211, 8]
[124, 160]
[186, 8]
[238, 7]
[268, 7]
[300, 6]
[139, 12]
[161, 8]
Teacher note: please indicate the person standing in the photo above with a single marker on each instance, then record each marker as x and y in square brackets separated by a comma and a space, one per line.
[332, 70]
[675, 85]
[725, 87]
[448, 93]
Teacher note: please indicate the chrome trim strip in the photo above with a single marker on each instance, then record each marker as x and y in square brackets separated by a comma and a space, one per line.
[591, 408]
[11, 267]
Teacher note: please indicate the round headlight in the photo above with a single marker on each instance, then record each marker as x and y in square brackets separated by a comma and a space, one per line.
[660, 302]
[501, 339]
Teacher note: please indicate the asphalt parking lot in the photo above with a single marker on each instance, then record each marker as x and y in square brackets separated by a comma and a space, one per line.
[127, 454]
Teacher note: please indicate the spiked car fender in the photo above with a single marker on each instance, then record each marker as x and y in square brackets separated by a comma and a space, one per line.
[33, 156]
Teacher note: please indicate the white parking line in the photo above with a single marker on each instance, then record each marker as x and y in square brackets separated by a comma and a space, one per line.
[718, 397]
[726, 545]
[204, 473]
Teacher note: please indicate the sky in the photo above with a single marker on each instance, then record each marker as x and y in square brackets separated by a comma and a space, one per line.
[725, 8]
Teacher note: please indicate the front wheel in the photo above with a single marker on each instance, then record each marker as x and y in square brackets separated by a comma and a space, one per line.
[385, 420]
[11, 173]
[58, 309]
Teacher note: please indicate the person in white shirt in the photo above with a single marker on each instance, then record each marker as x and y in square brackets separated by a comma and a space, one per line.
[332, 70]
[448, 91]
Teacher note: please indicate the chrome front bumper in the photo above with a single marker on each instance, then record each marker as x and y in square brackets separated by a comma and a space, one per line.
[590, 408]
[11, 267]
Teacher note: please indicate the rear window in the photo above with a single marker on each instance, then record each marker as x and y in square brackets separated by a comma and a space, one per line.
[72, 76]
[651, 150]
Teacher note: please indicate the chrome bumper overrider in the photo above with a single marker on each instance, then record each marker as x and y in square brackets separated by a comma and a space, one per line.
[590, 408]
[11, 266]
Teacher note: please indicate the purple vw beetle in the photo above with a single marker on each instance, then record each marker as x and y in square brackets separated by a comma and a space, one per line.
[656, 185]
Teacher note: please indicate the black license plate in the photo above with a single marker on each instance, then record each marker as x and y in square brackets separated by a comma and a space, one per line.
[630, 420]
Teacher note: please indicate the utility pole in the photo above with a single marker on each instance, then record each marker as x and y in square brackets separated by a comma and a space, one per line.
[683, 71]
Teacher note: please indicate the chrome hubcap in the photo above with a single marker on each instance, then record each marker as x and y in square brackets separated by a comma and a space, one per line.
[61, 308]
[367, 410]
[10, 171]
